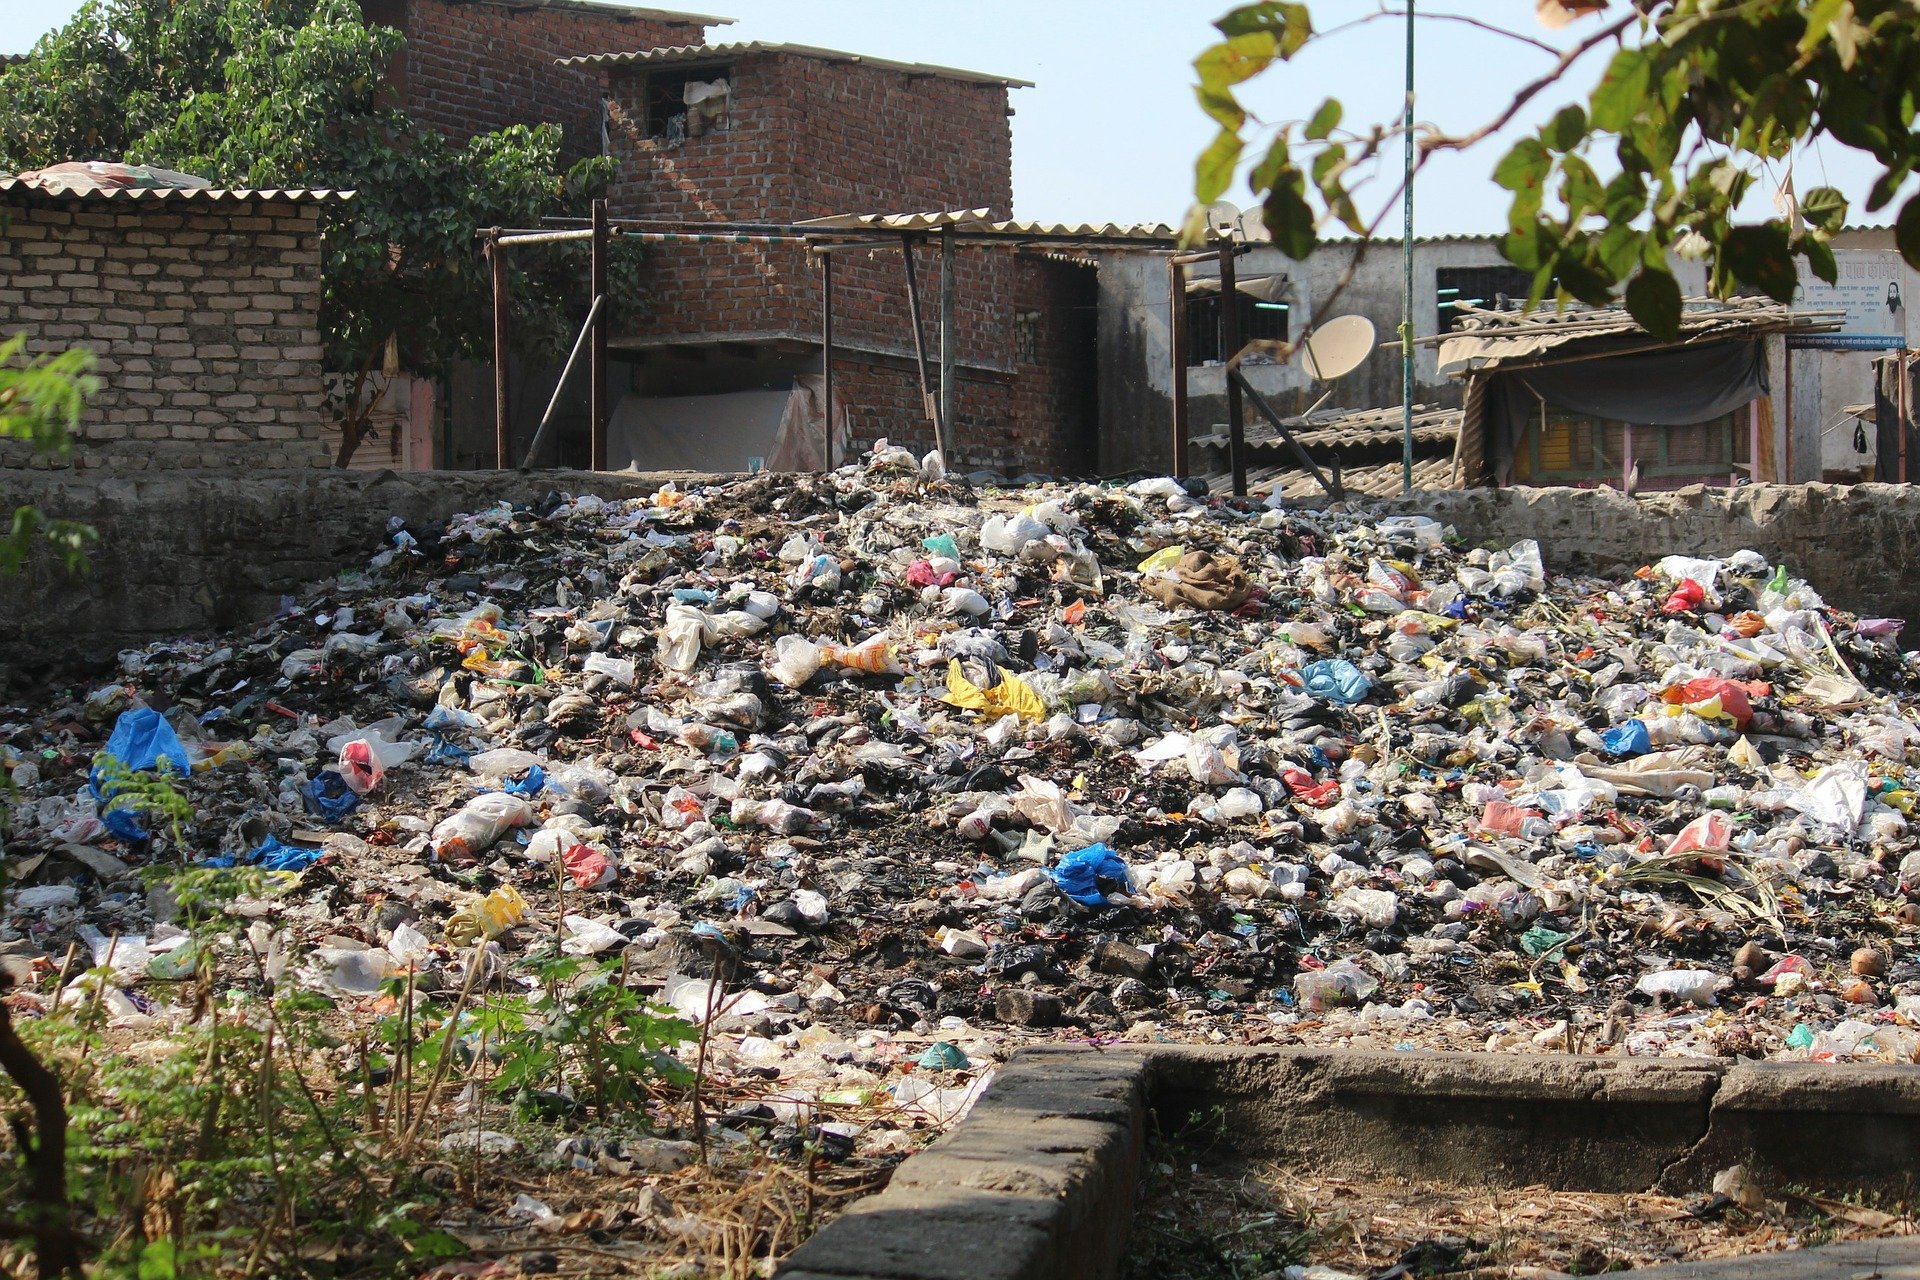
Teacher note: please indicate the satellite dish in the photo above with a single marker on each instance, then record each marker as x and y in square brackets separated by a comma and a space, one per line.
[1223, 218]
[1338, 347]
[1253, 227]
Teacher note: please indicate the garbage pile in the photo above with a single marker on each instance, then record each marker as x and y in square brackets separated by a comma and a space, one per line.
[884, 775]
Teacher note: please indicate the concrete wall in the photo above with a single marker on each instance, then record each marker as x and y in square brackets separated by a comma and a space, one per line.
[1136, 369]
[1826, 381]
[204, 319]
[1819, 531]
[190, 553]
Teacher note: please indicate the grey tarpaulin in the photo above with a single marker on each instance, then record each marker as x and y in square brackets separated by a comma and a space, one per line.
[1671, 388]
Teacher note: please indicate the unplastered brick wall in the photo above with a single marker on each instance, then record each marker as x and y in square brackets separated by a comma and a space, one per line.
[812, 137]
[203, 318]
[474, 66]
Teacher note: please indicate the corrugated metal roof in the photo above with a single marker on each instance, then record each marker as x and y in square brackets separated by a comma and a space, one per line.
[165, 195]
[1488, 339]
[981, 222]
[611, 8]
[1379, 481]
[747, 48]
[1349, 429]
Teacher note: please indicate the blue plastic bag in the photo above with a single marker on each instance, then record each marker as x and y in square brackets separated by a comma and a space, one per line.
[530, 785]
[274, 855]
[328, 796]
[141, 739]
[1336, 680]
[1080, 873]
[1629, 739]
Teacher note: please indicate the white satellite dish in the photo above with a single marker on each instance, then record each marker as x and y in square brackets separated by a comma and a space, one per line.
[1253, 227]
[1223, 218]
[1338, 347]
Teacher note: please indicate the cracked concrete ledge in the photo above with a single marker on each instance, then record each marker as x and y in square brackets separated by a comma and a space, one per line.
[1039, 1181]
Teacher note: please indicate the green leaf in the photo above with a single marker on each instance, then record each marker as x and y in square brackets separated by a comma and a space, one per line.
[1566, 130]
[157, 1261]
[1289, 218]
[1820, 259]
[1825, 208]
[1622, 91]
[1524, 167]
[1763, 257]
[1235, 61]
[1906, 231]
[1277, 161]
[1290, 24]
[1653, 300]
[1325, 120]
[1213, 172]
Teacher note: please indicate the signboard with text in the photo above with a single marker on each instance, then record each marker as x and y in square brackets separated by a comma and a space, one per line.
[1869, 292]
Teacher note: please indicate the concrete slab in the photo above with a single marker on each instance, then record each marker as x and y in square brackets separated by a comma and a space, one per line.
[1856, 1260]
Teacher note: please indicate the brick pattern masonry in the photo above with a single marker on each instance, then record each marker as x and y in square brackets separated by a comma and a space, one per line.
[204, 321]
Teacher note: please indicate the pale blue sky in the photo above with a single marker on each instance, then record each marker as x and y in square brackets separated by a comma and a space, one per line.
[1111, 131]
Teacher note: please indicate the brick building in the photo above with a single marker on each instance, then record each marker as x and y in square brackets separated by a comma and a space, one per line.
[202, 307]
[789, 134]
[474, 66]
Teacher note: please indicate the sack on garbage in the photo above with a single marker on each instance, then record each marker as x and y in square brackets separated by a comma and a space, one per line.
[1201, 580]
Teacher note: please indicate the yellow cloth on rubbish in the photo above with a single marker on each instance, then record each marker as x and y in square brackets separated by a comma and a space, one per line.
[1011, 697]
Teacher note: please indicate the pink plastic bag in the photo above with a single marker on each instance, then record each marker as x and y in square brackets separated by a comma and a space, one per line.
[360, 766]
[1708, 833]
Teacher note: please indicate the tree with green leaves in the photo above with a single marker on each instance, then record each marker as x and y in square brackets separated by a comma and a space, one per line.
[1699, 96]
[41, 400]
[294, 93]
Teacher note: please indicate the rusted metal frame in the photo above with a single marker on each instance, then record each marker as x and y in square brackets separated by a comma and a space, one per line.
[929, 401]
[1333, 488]
[599, 406]
[1177, 345]
[566, 375]
[1230, 348]
[826, 352]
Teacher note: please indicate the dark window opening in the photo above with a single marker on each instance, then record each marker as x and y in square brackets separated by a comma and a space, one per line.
[1258, 319]
[672, 118]
[1487, 288]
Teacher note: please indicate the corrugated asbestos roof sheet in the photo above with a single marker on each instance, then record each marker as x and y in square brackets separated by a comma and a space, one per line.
[612, 9]
[1348, 429]
[168, 195]
[724, 52]
[1379, 481]
[981, 222]
[1487, 339]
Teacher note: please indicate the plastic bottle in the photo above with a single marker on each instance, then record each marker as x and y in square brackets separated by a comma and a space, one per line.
[483, 820]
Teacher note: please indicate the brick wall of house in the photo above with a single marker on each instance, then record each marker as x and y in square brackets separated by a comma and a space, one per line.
[473, 66]
[204, 321]
[1055, 411]
[811, 138]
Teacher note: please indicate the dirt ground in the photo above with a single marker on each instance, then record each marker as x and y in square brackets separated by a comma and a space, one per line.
[1204, 1217]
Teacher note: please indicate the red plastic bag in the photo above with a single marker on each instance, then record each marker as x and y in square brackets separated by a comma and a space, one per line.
[1686, 597]
[1505, 819]
[1301, 783]
[587, 866]
[1734, 697]
[360, 766]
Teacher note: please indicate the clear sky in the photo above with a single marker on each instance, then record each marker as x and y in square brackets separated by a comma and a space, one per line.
[1111, 130]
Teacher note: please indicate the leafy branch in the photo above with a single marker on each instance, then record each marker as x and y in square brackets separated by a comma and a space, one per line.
[1698, 100]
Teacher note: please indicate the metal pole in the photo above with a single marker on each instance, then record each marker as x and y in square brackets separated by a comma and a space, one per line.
[599, 409]
[948, 342]
[502, 410]
[1406, 301]
[1177, 345]
[826, 348]
[566, 376]
[929, 403]
[1230, 352]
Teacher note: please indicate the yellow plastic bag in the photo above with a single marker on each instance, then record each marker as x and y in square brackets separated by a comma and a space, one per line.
[1011, 697]
[1163, 560]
